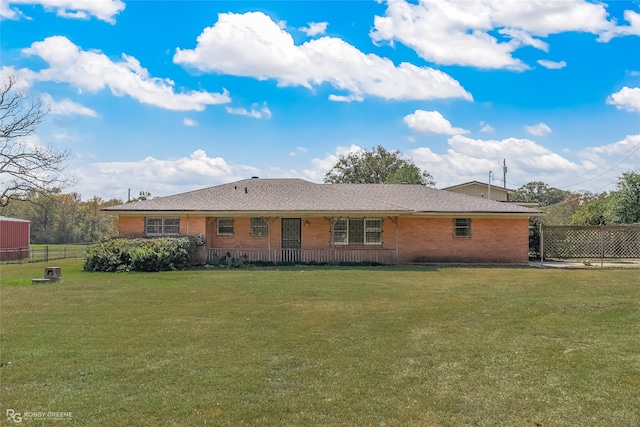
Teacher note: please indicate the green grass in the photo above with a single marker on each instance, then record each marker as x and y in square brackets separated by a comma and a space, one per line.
[378, 346]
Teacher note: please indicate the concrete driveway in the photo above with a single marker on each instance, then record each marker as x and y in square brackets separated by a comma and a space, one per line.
[587, 263]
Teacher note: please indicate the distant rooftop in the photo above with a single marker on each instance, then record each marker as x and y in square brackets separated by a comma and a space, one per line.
[485, 184]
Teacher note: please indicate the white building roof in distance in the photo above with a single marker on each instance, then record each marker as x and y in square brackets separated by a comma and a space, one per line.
[482, 184]
[7, 219]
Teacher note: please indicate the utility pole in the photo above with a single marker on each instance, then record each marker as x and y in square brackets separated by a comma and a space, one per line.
[490, 175]
[504, 173]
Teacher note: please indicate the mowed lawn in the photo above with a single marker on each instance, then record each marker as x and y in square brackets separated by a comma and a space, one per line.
[378, 346]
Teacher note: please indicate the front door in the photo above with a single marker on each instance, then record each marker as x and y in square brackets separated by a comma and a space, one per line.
[291, 239]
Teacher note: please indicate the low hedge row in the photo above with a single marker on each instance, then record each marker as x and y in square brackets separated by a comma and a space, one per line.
[159, 254]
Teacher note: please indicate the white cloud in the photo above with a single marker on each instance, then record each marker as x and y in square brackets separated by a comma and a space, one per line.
[470, 159]
[465, 159]
[94, 71]
[23, 76]
[189, 122]
[160, 177]
[633, 29]
[486, 127]
[552, 65]
[320, 166]
[431, 122]
[298, 150]
[626, 147]
[315, 28]
[522, 38]
[252, 45]
[627, 98]
[262, 113]
[541, 129]
[66, 137]
[461, 33]
[67, 107]
[105, 10]
[350, 98]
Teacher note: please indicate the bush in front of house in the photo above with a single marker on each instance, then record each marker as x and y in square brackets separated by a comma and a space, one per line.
[158, 254]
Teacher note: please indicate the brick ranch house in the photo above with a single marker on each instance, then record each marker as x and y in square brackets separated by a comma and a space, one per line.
[293, 220]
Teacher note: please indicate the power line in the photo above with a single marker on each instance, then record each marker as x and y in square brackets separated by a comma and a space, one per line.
[626, 155]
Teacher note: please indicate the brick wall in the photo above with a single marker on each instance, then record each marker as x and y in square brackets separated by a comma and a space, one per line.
[418, 239]
[131, 226]
[492, 240]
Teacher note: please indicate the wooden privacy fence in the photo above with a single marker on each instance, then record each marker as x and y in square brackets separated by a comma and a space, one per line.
[381, 256]
[598, 241]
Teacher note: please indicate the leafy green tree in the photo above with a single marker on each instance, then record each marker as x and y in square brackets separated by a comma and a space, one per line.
[69, 218]
[143, 195]
[626, 199]
[64, 218]
[378, 166]
[594, 209]
[97, 225]
[42, 211]
[538, 191]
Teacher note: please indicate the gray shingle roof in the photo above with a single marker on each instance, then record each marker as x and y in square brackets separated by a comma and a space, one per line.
[282, 195]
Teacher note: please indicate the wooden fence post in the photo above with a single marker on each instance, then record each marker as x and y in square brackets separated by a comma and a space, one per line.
[541, 245]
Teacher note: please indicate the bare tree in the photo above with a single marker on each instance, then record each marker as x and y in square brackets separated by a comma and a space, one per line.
[25, 166]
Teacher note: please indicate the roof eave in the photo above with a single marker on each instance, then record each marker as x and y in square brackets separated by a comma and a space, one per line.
[325, 213]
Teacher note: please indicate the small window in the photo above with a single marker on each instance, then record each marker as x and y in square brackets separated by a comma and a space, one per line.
[259, 227]
[340, 232]
[225, 226]
[373, 232]
[158, 226]
[462, 227]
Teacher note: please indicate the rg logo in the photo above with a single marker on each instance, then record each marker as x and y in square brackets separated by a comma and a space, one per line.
[14, 416]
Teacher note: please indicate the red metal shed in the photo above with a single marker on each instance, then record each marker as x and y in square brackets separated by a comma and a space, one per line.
[14, 238]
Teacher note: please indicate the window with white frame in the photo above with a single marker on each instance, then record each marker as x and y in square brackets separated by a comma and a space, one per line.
[225, 227]
[259, 227]
[162, 226]
[462, 227]
[357, 231]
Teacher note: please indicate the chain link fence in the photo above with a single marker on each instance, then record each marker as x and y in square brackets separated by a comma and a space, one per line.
[43, 253]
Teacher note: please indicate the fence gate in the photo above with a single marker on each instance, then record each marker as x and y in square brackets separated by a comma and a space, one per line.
[597, 241]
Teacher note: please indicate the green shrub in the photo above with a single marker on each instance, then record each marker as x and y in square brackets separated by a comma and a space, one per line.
[159, 254]
[227, 261]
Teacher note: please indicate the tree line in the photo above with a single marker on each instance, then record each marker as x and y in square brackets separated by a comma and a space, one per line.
[64, 217]
[620, 206]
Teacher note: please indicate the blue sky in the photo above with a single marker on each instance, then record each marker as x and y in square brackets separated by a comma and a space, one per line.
[170, 96]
